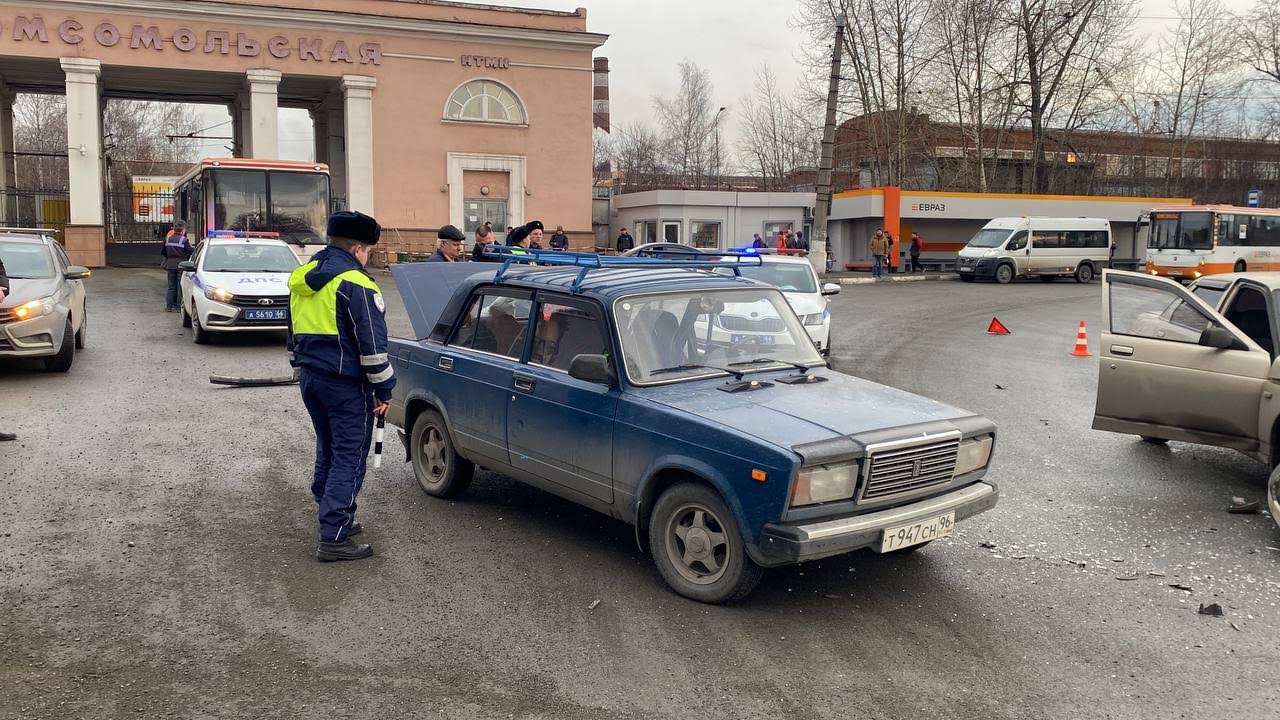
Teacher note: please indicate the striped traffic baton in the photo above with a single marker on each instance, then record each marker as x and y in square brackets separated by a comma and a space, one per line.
[378, 429]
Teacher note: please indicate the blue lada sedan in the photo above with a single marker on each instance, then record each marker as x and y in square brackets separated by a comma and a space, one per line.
[689, 403]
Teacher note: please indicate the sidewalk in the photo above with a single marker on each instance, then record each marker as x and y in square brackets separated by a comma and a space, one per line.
[864, 278]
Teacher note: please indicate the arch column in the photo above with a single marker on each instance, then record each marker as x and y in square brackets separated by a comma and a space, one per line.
[358, 124]
[85, 233]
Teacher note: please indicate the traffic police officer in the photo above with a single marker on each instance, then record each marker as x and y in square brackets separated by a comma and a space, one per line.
[338, 339]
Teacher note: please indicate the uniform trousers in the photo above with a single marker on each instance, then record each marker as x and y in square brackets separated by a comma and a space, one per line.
[342, 413]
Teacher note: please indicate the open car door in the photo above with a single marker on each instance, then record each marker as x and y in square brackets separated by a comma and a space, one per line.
[1173, 368]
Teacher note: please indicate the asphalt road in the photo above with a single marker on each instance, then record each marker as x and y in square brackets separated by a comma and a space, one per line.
[156, 556]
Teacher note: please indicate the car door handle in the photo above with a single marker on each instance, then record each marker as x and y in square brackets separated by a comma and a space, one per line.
[445, 363]
[1121, 350]
[523, 383]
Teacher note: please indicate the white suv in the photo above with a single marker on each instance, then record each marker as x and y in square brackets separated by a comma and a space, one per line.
[237, 284]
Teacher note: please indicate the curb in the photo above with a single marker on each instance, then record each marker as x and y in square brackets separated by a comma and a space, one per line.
[896, 278]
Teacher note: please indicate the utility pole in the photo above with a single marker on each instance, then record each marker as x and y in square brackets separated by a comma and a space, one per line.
[818, 243]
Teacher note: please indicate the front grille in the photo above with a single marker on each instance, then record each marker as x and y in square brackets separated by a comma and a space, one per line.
[737, 323]
[966, 262]
[5, 344]
[251, 301]
[6, 316]
[903, 470]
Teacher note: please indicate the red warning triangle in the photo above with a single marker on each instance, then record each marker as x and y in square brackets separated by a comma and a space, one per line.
[997, 328]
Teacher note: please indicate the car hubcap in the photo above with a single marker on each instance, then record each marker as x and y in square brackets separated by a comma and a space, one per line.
[1005, 274]
[433, 463]
[697, 544]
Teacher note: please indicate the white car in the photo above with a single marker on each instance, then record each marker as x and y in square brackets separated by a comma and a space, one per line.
[237, 284]
[795, 277]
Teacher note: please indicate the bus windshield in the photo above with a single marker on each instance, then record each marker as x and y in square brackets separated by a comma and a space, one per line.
[1181, 231]
[990, 237]
[294, 204]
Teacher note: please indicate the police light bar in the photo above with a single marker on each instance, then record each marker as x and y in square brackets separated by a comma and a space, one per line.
[243, 234]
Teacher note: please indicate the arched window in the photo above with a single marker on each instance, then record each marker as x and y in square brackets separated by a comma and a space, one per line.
[485, 101]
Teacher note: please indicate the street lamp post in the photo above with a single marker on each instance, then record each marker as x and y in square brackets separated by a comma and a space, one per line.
[716, 122]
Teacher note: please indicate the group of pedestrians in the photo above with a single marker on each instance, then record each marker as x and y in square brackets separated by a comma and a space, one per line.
[450, 241]
[881, 247]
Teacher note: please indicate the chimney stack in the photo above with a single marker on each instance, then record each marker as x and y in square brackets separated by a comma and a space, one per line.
[600, 94]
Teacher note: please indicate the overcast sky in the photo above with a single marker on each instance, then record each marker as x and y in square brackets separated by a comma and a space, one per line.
[648, 38]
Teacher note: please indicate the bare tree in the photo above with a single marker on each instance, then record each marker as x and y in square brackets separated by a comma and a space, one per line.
[637, 153]
[688, 123]
[777, 134]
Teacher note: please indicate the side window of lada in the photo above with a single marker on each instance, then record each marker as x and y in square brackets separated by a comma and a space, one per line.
[494, 323]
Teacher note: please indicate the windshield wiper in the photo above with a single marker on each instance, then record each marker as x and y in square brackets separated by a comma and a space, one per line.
[760, 360]
[737, 374]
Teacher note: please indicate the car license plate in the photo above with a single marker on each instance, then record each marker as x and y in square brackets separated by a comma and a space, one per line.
[264, 314]
[896, 538]
[759, 339]
[1175, 273]
[966, 269]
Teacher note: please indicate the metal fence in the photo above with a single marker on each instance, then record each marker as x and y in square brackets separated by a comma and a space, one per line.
[35, 209]
[138, 217]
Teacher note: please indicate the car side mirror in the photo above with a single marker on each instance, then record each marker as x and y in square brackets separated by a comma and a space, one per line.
[591, 368]
[187, 266]
[1216, 336]
[830, 289]
[76, 272]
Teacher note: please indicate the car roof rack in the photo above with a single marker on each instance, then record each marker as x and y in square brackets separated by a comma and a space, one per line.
[27, 231]
[592, 261]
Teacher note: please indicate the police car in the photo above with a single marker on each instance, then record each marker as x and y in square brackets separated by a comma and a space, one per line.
[237, 282]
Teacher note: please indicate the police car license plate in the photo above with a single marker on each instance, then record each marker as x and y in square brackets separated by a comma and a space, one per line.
[264, 314]
[896, 538]
[761, 339]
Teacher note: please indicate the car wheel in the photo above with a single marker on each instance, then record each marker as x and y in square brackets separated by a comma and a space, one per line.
[1048, 278]
[186, 317]
[66, 353]
[82, 337]
[1240, 266]
[697, 547]
[1004, 274]
[1273, 495]
[199, 335]
[1153, 440]
[1084, 273]
[439, 470]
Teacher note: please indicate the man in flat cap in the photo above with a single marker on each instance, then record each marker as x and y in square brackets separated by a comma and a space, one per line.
[449, 241]
[338, 338]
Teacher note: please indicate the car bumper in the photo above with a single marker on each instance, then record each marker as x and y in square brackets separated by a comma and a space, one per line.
[781, 544]
[222, 317]
[984, 269]
[37, 337]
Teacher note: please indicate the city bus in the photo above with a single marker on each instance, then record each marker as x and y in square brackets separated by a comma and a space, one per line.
[282, 196]
[1190, 241]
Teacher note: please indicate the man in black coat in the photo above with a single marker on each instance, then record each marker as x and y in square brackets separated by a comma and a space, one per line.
[625, 241]
[448, 244]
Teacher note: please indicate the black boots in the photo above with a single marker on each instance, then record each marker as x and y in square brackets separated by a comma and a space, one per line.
[329, 552]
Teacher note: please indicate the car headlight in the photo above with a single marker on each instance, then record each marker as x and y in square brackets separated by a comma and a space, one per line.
[974, 454]
[34, 309]
[815, 319]
[824, 483]
[219, 294]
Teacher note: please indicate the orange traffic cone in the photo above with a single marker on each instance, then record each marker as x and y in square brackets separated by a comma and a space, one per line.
[997, 328]
[1082, 343]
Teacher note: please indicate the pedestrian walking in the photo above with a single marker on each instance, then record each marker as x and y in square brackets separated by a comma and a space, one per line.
[878, 247]
[176, 249]
[758, 242]
[889, 250]
[916, 244]
[560, 241]
[338, 340]
[802, 243]
[449, 240]
[4, 293]
[625, 241]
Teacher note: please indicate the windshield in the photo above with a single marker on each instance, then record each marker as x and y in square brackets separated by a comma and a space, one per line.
[300, 206]
[26, 261]
[672, 336]
[1181, 231]
[787, 277]
[297, 207]
[250, 257]
[990, 237]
